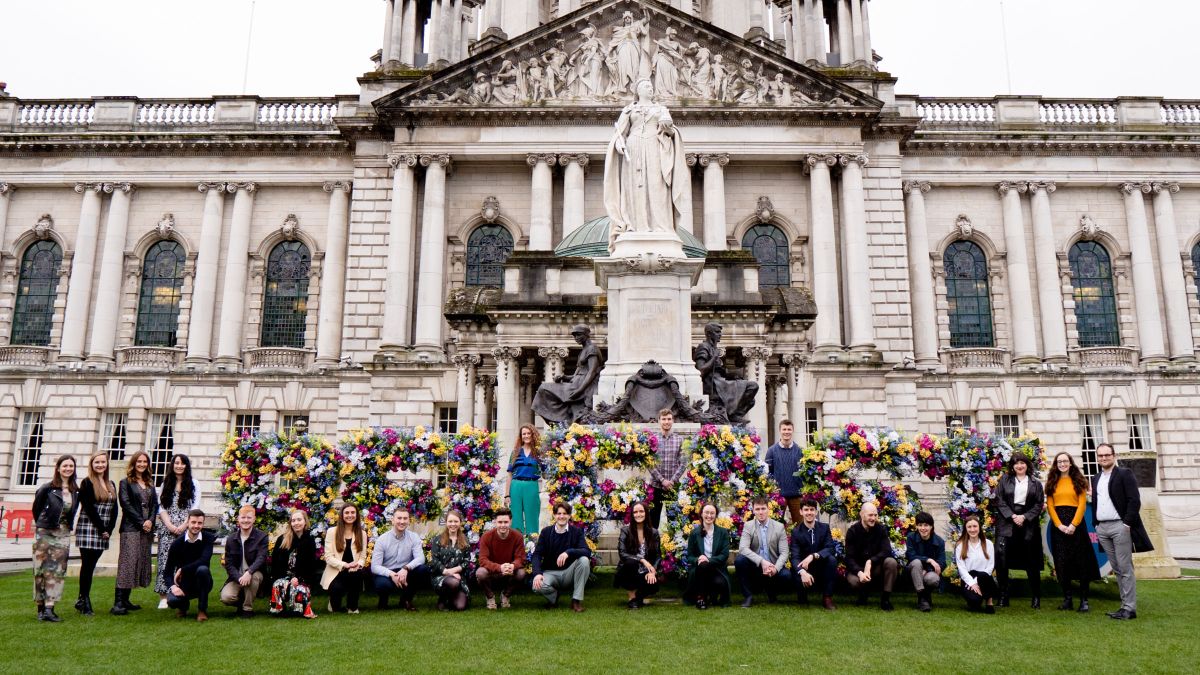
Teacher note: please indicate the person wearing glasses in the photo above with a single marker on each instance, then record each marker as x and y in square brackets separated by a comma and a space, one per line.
[1119, 525]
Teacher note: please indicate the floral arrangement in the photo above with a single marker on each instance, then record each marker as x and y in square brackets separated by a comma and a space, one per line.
[898, 507]
[828, 466]
[615, 499]
[417, 496]
[931, 458]
[623, 447]
[976, 463]
[373, 454]
[471, 468]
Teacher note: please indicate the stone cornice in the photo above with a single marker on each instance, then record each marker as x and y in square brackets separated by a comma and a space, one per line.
[1050, 143]
[172, 144]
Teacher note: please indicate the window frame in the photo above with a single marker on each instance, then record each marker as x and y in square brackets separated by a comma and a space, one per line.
[245, 420]
[1104, 289]
[781, 271]
[111, 431]
[20, 333]
[967, 419]
[480, 273]
[154, 428]
[31, 425]
[278, 305]
[1087, 455]
[998, 427]
[146, 332]
[959, 291]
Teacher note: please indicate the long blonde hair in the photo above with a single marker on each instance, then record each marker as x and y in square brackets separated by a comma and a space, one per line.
[289, 534]
[101, 483]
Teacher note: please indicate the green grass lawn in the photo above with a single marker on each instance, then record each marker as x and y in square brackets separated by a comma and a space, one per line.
[665, 637]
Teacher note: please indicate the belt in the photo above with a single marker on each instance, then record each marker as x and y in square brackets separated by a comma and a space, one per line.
[527, 480]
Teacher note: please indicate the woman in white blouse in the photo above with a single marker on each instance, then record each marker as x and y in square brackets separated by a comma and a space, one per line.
[975, 558]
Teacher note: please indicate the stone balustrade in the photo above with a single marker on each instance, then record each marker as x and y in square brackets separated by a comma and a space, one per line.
[977, 360]
[134, 114]
[280, 359]
[1034, 111]
[148, 359]
[23, 356]
[1124, 359]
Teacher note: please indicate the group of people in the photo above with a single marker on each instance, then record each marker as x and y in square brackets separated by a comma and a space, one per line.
[768, 558]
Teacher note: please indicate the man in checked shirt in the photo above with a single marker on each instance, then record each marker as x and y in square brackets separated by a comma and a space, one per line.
[664, 478]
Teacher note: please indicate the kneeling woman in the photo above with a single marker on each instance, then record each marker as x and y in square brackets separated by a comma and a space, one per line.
[450, 564]
[975, 557]
[707, 557]
[638, 548]
[293, 566]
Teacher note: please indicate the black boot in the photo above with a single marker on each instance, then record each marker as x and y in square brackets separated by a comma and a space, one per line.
[118, 608]
[1003, 601]
[1067, 603]
[129, 603]
[41, 612]
[1035, 602]
[80, 604]
[87, 606]
[49, 615]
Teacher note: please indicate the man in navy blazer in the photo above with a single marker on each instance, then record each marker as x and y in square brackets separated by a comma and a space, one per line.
[814, 559]
[1118, 524]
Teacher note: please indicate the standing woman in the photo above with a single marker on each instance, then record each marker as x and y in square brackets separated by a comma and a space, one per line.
[97, 520]
[1074, 557]
[139, 507]
[345, 561]
[638, 548]
[293, 566]
[179, 494]
[975, 558]
[1018, 540]
[54, 507]
[524, 473]
[450, 564]
[708, 558]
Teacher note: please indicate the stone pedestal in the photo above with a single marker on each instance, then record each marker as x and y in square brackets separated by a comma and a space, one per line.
[1156, 564]
[648, 281]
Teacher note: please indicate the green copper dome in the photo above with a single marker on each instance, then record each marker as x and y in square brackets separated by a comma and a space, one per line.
[590, 240]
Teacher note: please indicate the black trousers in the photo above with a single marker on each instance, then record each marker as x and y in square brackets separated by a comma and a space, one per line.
[988, 590]
[709, 584]
[346, 585]
[631, 576]
[196, 585]
[88, 558]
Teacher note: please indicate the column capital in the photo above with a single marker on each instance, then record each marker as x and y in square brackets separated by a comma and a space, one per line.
[443, 161]
[342, 185]
[1019, 187]
[218, 187]
[127, 188]
[466, 360]
[720, 159]
[919, 186]
[812, 161]
[485, 381]
[249, 188]
[757, 352]
[89, 187]
[1036, 186]
[408, 159]
[7, 189]
[795, 360]
[846, 160]
[533, 159]
[1130, 188]
[552, 352]
[581, 159]
[505, 353]
[1156, 188]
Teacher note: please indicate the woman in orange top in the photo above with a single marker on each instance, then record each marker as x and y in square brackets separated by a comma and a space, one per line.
[1074, 557]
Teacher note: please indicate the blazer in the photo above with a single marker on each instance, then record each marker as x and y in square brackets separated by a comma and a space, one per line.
[1123, 490]
[254, 553]
[306, 559]
[805, 542]
[777, 543]
[48, 505]
[333, 559]
[628, 555]
[1035, 502]
[720, 549]
[132, 514]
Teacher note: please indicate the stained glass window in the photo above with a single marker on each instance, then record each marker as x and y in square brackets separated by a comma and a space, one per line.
[162, 289]
[488, 248]
[770, 248]
[285, 299]
[1095, 299]
[36, 292]
[968, 295]
[1196, 267]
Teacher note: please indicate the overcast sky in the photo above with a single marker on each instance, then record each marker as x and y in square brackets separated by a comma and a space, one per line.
[178, 48]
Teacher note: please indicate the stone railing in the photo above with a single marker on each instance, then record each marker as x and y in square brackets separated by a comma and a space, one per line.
[283, 359]
[25, 356]
[1181, 112]
[977, 359]
[1105, 358]
[1077, 113]
[965, 111]
[220, 113]
[157, 359]
[1037, 112]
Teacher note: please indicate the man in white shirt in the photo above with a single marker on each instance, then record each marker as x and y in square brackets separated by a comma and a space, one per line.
[1119, 525]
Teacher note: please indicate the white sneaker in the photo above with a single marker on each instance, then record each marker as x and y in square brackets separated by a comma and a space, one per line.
[162, 603]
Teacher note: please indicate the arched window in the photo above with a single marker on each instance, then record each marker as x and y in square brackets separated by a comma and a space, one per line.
[1095, 301]
[285, 299]
[770, 248]
[488, 248]
[36, 292]
[968, 295]
[1196, 266]
[162, 288]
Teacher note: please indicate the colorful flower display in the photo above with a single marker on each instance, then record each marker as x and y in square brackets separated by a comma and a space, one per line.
[616, 498]
[417, 496]
[976, 462]
[898, 507]
[471, 468]
[372, 454]
[828, 467]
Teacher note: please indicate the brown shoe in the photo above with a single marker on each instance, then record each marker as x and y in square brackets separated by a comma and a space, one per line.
[828, 603]
[577, 606]
[179, 614]
[201, 617]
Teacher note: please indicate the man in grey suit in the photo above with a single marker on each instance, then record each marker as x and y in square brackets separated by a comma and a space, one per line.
[1119, 525]
[762, 555]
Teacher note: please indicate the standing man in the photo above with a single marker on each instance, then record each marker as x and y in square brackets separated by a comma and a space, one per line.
[814, 558]
[501, 560]
[398, 563]
[245, 560]
[187, 567]
[762, 555]
[562, 560]
[1119, 525]
[664, 477]
[869, 557]
[783, 460]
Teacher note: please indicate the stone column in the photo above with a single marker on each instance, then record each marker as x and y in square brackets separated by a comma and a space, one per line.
[508, 394]
[856, 30]
[204, 288]
[408, 33]
[112, 272]
[397, 295]
[79, 286]
[1050, 299]
[1145, 284]
[237, 262]
[467, 364]
[1175, 295]
[1020, 294]
[484, 387]
[435, 38]
[333, 275]
[390, 46]
[867, 50]
[828, 326]
[574, 195]
[920, 276]
[845, 32]
[431, 279]
[555, 358]
[856, 278]
[756, 369]
[541, 202]
[6, 190]
[715, 230]
[795, 389]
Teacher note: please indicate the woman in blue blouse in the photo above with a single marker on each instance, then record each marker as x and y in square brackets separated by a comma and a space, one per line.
[525, 473]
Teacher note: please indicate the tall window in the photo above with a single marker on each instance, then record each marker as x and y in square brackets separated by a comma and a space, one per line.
[291, 420]
[1091, 434]
[1095, 300]
[246, 424]
[1196, 267]
[36, 292]
[160, 444]
[1140, 435]
[812, 422]
[488, 249]
[968, 294]
[964, 422]
[114, 435]
[447, 419]
[770, 248]
[29, 459]
[162, 289]
[285, 302]
[1008, 425]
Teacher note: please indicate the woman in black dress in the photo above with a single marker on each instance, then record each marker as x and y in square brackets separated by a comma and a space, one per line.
[1020, 500]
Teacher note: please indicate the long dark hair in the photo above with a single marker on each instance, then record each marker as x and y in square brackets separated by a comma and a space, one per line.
[634, 541]
[356, 529]
[57, 480]
[964, 541]
[186, 486]
[1077, 479]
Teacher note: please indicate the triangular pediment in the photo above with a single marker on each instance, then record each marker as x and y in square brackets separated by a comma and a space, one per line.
[593, 58]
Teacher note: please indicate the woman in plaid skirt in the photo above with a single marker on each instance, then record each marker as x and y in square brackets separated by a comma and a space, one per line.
[97, 519]
[54, 507]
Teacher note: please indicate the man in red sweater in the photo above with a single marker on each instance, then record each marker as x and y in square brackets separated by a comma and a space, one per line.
[501, 560]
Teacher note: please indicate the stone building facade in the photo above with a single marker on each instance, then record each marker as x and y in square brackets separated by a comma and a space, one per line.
[172, 271]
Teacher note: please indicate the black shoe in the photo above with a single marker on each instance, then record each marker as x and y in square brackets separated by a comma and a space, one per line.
[1003, 600]
[861, 601]
[771, 599]
[1120, 615]
[886, 605]
[118, 608]
[383, 603]
[79, 605]
[129, 603]
[1083, 606]
[243, 614]
[700, 604]
[1068, 604]
[41, 613]
[87, 608]
[748, 602]
[634, 604]
[1035, 602]
[802, 598]
[923, 603]
[49, 615]
[989, 610]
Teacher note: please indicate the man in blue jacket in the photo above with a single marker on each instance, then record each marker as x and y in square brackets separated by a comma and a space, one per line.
[926, 556]
[814, 560]
[561, 560]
